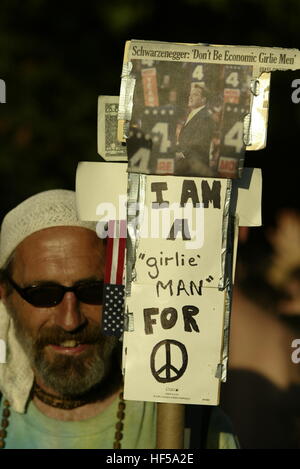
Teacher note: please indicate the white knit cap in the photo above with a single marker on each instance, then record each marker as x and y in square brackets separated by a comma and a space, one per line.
[44, 210]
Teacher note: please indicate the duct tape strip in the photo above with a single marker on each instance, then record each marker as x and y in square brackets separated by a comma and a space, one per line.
[135, 212]
[225, 252]
[227, 263]
[128, 324]
[126, 96]
[222, 369]
[225, 351]
[247, 123]
[247, 130]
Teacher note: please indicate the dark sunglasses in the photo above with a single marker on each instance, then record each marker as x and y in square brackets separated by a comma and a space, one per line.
[46, 296]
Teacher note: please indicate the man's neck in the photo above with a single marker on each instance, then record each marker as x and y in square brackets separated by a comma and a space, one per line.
[92, 403]
[79, 413]
[193, 112]
[197, 109]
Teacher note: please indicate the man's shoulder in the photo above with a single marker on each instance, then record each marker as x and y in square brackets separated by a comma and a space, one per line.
[203, 113]
[202, 116]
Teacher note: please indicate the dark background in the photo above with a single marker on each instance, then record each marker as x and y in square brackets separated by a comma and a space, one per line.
[57, 57]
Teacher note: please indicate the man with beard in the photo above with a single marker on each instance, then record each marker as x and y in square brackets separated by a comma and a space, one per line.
[61, 385]
[62, 381]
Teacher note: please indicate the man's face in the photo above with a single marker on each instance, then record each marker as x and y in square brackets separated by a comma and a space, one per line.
[67, 351]
[195, 98]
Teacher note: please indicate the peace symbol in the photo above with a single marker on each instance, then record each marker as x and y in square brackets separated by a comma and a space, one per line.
[163, 374]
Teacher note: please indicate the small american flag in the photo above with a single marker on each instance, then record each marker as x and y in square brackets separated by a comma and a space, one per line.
[113, 292]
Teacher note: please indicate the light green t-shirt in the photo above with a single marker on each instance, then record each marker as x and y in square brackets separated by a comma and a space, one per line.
[34, 430]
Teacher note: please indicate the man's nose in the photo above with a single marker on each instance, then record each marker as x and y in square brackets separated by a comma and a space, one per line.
[68, 313]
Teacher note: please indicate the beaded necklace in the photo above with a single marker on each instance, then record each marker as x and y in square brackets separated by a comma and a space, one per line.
[118, 427]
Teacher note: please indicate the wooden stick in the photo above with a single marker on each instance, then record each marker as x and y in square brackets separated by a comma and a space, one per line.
[170, 426]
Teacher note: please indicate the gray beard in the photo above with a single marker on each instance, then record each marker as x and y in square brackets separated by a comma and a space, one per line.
[74, 376]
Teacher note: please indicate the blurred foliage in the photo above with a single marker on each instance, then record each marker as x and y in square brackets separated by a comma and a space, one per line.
[57, 57]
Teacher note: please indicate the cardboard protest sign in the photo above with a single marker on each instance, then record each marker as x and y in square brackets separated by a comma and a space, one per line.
[249, 192]
[181, 234]
[97, 198]
[176, 274]
[174, 352]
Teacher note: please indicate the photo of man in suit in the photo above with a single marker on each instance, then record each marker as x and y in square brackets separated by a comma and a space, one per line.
[192, 157]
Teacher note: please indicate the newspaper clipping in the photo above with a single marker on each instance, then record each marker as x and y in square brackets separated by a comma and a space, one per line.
[189, 106]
